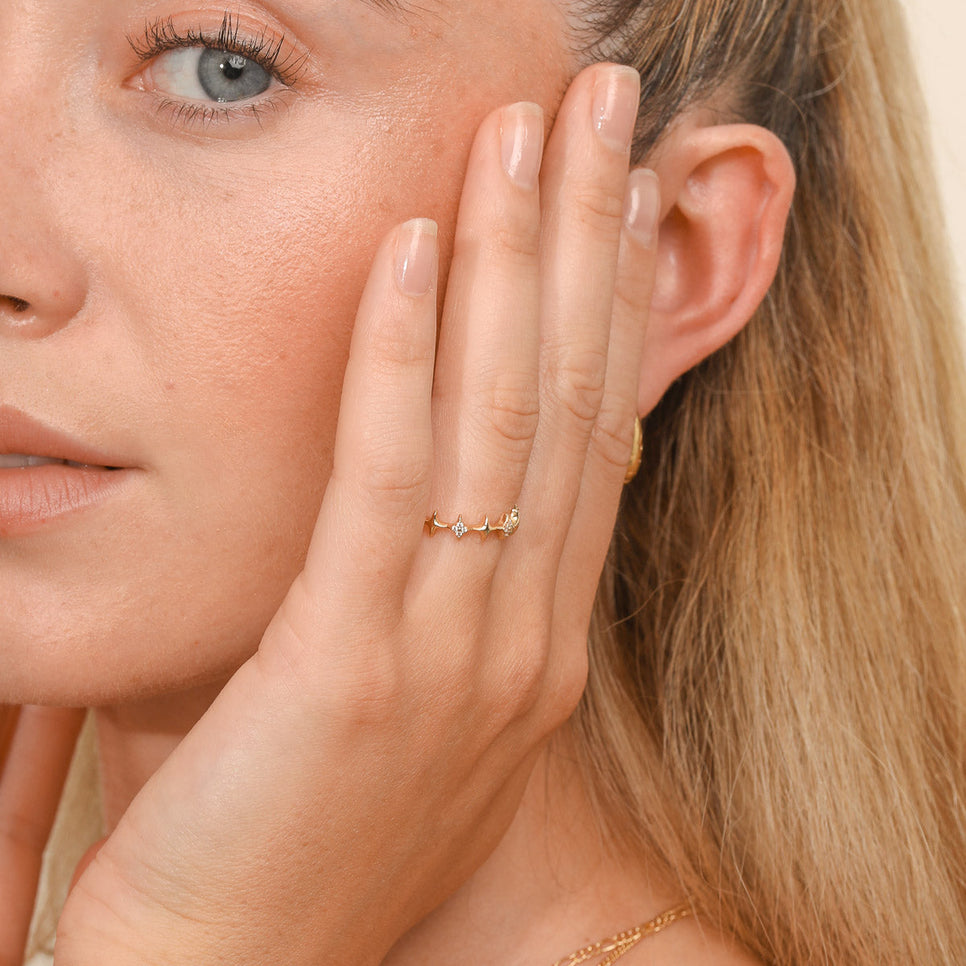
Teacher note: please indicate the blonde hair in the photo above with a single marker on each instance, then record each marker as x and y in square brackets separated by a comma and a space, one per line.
[775, 709]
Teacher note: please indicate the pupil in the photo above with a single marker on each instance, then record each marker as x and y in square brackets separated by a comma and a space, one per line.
[233, 66]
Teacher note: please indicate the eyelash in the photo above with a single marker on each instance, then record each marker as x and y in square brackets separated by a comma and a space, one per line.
[265, 50]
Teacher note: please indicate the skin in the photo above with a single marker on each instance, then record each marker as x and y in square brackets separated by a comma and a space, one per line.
[189, 366]
[220, 317]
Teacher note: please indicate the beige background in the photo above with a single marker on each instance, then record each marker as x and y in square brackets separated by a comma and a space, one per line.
[939, 36]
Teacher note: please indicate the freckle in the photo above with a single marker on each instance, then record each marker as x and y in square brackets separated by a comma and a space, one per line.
[169, 386]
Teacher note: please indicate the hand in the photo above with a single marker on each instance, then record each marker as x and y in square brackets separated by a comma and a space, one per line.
[36, 745]
[374, 750]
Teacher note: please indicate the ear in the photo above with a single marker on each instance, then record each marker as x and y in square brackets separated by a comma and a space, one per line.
[727, 191]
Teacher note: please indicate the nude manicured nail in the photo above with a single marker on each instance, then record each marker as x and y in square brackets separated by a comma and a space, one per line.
[642, 205]
[522, 143]
[416, 257]
[616, 101]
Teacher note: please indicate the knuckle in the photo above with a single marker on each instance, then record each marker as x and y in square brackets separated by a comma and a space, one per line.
[393, 466]
[562, 698]
[612, 436]
[520, 241]
[287, 657]
[513, 241]
[395, 477]
[358, 693]
[521, 679]
[510, 411]
[528, 680]
[398, 350]
[578, 381]
[631, 300]
[597, 208]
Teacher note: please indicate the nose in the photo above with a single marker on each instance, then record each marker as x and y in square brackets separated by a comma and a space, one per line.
[43, 283]
[42, 288]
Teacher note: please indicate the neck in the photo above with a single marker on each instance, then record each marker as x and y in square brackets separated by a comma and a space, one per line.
[133, 741]
[552, 884]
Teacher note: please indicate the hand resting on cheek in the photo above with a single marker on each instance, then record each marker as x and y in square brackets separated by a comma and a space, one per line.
[375, 749]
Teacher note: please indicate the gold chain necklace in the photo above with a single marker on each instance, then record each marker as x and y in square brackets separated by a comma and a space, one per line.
[613, 948]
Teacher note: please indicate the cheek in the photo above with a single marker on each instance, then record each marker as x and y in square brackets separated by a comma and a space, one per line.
[250, 307]
[251, 310]
[250, 290]
[252, 300]
[224, 288]
[220, 330]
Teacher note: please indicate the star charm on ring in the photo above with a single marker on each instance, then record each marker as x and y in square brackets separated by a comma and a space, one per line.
[505, 527]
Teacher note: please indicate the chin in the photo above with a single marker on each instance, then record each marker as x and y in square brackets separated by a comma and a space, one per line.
[91, 671]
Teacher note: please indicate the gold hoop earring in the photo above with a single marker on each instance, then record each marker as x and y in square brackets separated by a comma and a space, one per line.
[637, 451]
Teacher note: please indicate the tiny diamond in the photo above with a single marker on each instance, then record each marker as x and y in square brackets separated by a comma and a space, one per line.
[459, 528]
[511, 522]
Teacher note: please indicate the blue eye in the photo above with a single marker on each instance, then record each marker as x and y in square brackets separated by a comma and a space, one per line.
[231, 77]
[205, 74]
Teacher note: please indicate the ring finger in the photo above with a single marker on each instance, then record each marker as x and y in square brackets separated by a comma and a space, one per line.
[485, 398]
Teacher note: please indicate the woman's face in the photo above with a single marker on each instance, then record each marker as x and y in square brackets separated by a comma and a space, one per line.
[191, 270]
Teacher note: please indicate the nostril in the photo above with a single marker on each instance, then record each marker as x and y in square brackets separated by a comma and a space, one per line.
[18, 305]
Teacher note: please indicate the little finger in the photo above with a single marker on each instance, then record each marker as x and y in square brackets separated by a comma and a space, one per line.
[611, 443]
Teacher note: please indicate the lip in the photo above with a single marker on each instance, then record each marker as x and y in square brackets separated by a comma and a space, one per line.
[34, 496]
[20, 433]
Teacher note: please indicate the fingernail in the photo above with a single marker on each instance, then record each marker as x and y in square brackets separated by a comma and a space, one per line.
[616, 102]
[522, 149]
[642, 205]
[416, 257]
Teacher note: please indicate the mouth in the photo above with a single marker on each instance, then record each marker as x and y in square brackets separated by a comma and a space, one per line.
[21, 461]
[26, 443]
[47, 474]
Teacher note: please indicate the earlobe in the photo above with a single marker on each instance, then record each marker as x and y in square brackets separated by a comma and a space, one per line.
[727, 193]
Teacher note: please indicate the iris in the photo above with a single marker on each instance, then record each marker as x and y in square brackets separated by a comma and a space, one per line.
[226, 77]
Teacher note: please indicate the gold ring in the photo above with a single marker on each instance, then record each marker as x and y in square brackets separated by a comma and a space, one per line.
[505, 527]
